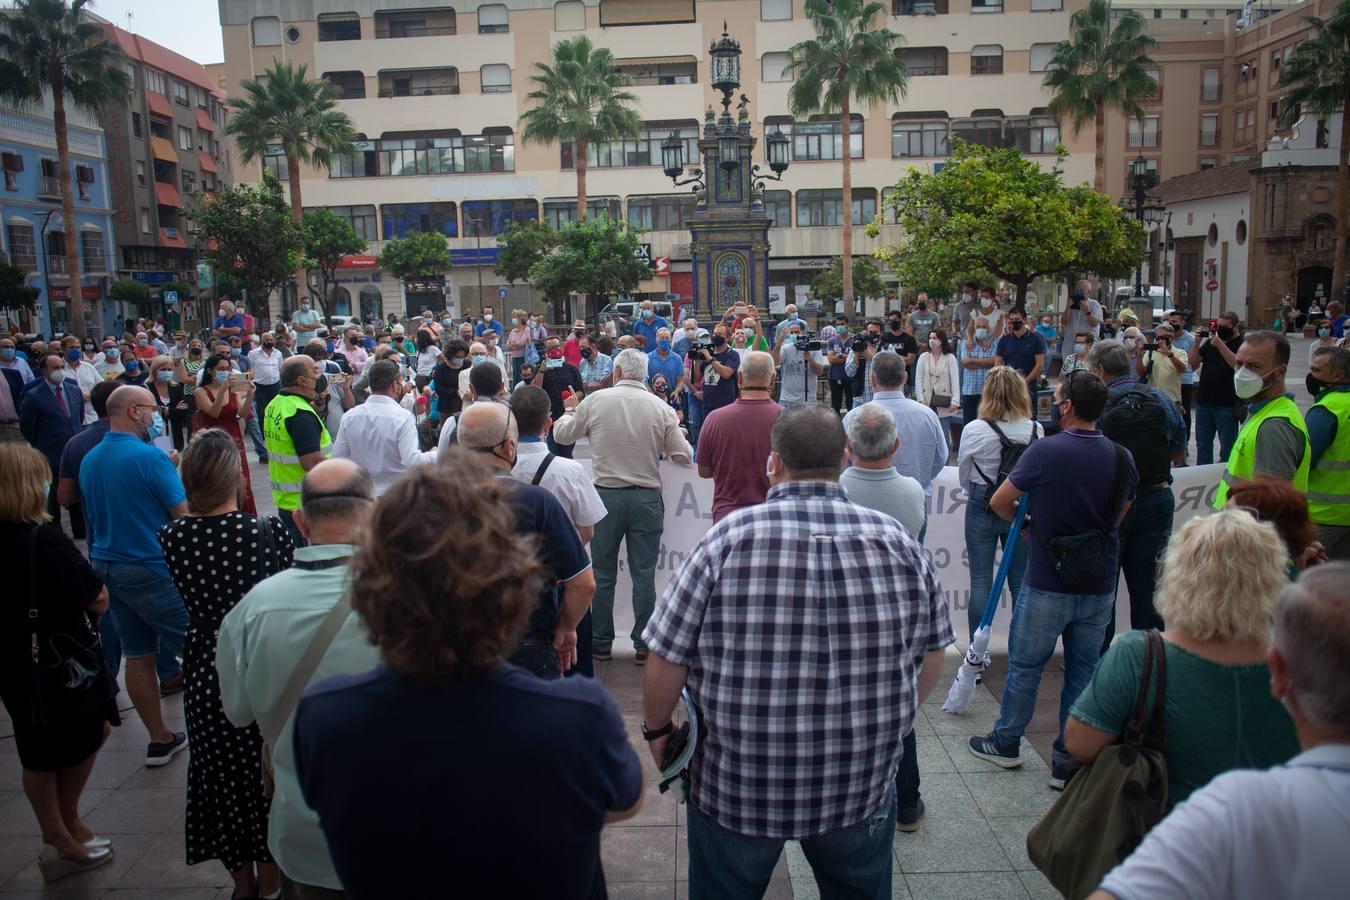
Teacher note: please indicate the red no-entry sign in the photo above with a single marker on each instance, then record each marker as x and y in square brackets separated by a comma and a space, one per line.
[1211, 285]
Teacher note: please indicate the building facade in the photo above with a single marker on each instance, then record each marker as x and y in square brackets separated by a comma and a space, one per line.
[436, 91]
[35, 233]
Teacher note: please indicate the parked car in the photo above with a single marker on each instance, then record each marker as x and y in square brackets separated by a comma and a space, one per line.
[1161, 297]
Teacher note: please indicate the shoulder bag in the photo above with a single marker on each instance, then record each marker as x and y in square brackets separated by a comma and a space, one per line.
[1084, 559]
[1113, 802]
[78, 684]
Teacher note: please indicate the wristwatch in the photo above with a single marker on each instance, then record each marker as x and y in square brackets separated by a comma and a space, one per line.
[661, 732]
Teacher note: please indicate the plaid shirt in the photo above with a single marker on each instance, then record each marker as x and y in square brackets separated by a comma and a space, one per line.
[972, 379]
[852, 363]
[803, 622]
[595, 369]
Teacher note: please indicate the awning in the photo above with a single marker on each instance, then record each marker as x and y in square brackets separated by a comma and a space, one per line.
[204, 121]
[159, 104]
[163, 150]
[628, 62]
[172, 237]
[207, 163]
[167, 195]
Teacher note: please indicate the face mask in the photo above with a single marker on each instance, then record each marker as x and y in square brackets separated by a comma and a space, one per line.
[718, 340]
[691, 332]
[164, 375]
[141, 342]
[321, 383]
[1017, 324]
[1246, 383]
[520, 321]
[457, 362]
[936, 345]
[268, 345]
[553, 364]
[304, 307]
[1225, 332]
[236, 352]
[986, 302]
[478, 359]
[1315, 387]
[88, 348]
[647, 313]
[981, 334]
[73, 355]
[923, 307]
[7, 353]
[57, 376]
[794, 338]
[487, 317]
[792, 317]
[155, 429]
[1324, 332]
[1080, 348]
[586, 351]
[131, 367]
[195, 351]
[895, 325]
[659, 387]
[221, 377]
[1129, 343]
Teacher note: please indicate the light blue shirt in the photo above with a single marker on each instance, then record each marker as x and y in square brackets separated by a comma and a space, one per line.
[923, 447]
[1184, 340]
[597, 368]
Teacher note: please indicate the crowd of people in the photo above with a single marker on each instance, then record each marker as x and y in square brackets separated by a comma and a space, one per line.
[351, 671]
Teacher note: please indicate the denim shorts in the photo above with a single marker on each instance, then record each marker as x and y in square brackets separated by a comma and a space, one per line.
[146, 608]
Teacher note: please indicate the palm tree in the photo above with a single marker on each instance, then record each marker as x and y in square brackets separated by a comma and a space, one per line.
[1318, 75]
[1104, 66]
[579, 99]
[46, 45]
[285, 107]
[848, 63]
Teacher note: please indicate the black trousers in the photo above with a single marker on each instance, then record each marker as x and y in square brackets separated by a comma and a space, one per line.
[841, 394]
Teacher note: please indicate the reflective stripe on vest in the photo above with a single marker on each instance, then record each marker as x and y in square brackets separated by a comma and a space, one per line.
[1329, 481]
[283, 463]
[1242, 460]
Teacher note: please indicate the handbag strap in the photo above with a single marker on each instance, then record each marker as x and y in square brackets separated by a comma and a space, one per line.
[309, 661]
[1137, 727]
[32, 589]
[268, 545]
[543, 467]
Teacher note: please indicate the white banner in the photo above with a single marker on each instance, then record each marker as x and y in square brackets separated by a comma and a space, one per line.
[688, 500]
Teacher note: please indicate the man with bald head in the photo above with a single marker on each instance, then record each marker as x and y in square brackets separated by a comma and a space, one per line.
[130, 488]
[549, 647]
[267, 633]
[295, 435]
[734, 444]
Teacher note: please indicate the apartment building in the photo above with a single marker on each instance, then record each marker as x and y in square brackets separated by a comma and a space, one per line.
[436, 90]
[165, 146]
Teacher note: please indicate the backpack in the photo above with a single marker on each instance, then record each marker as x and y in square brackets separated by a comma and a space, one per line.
[1135, 420]
[1012, 452]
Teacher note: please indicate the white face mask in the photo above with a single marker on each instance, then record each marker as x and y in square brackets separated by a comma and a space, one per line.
[1129, 343]
[1246, 383]
[986, 302]
[57, 376]
[936, 345]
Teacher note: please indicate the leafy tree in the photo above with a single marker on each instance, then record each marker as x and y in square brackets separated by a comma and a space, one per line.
[249, 235]
[1104, 65]
[993, 210]
[420, 253]
[829, 283]
[520, 247]
[328, 238]
[847, 63]
[130, 291]
[1318, 76]
[45, 46]
[594, 256]
[580, 100]
[14, 290]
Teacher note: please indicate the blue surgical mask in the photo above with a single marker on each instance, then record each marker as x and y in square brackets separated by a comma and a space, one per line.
[1324, 332]
[164, 375]
[792, 317]
[7, 353]
[156, 428]
[478, 359]
[73, 355]
[647, 313]
[131, 367]
[221, 377]
[235, 351]
[1079, 348]
[663, 346]
[982, 334]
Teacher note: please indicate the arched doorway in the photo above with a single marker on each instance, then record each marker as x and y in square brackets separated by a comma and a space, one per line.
[340, 302]
[372, 303]
[1314, 283]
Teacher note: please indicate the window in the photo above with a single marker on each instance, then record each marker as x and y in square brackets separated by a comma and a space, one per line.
[771, 66]
[274, 161]
[145, 220]
[84, 177]
[778, 206]
[664, 70]
[495, 79]
[667, 212]
[493, 216]
[826, 207]
[56, 253]
[1210, 85]
[1275, 111]
[492, 18]
[986, 6]
[919, 7]
[1142, 134]
[559, 212]
[350, 85]
[184, 138]
[444, 153]
[1041, 55]
[1208, 162]
[1209, 129]
[189, 182]
[569, 15]
[157, 81]
[416, 23]
[266, 31]
[645, 151]
[92, 257]
[919, 138]
[22, 246]
[136, 124]
[986, 59]
[1033, 134]
[361, 218]
[1240, 233]
[645, 12]
[821, 139]
[1047, 5]
[419, 82]
[775, 10]
[1155, 76]
[924, 60]
[180, 94]
[340, 27]
[985, 131]
[50, 185]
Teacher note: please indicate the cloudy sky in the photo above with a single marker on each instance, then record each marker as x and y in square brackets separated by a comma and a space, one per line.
[190, 27]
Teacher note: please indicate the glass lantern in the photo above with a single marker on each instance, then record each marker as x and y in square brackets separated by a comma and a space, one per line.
[672, 156]
[726, 64]
[777, 144]
[729, 150]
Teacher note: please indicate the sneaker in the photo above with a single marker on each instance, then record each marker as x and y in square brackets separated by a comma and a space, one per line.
[603, 655]
[984, 748]
[1060, 775]
[640, 657]
[907, 819]
[170, 686]
[157, 754]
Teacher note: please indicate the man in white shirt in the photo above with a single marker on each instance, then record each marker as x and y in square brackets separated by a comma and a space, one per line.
[85, 375]
[796, 385]
[482, 384]
[1081, 314]
[380, 434]
[306, 323]
[564, 478]
[264, 361]
[109, 364]
[1281, 833]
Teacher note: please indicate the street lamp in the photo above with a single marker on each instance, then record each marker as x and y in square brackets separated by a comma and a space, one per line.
[1146, 214]
[726, 67]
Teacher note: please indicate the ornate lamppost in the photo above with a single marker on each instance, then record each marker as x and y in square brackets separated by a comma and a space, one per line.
[1148, 214]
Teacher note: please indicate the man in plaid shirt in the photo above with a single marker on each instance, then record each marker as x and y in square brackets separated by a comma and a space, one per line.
[808, 630]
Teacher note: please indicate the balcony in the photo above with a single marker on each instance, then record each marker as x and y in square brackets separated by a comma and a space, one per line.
[419, 83]
[49, 187]
[661, 70]
[423, 23]
[1211, 93]
[349, 85]
[339, 27]
[1209, 138]
[24, 259]
[919, 8]
[919, 61]
[57, 264]
[92, 263]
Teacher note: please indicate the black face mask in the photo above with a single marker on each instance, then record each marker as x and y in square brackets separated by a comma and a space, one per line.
[895, 324]
[585, 352]
[923, 307]
[717, 340]
[1017, 324]
[1225, 332]
[321, 383]
[268, 345]
[1315, 387]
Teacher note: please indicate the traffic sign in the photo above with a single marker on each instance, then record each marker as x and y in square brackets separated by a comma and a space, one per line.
[170, 298]
[662, 265]
[501, 292]
[1211, 285]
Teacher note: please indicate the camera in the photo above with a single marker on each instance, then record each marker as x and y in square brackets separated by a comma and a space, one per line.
[861, 343]
[807, 346]
[1150, 347]
[698, 346]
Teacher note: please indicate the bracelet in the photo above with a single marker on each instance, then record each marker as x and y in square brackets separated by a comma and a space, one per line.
[655, 734]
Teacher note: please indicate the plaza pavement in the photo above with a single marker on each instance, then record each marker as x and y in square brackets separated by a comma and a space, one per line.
[971, 843]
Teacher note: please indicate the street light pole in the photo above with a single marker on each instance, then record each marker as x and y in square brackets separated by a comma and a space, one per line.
[478, 259]
[1140, 170]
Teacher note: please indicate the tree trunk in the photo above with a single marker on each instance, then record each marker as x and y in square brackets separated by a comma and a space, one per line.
[581, 180]
[1020, 304]
[1099, 161]
[68, 224]
[1342, 206]
[846, 250]
[297, 213]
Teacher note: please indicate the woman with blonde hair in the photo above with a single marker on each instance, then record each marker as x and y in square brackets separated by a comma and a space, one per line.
[51, 601]
[1217, 707]
[173, 405]
[1005, 416]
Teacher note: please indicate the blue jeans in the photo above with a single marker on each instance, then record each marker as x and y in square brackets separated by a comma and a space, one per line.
[1039, 619]
[149, 614]
[166, 664]
[694, 416]
[853, 862]
[970, 408]
[1143, 538]
[984, 532]
[1211, 419]
[255, 433]
[907, 775]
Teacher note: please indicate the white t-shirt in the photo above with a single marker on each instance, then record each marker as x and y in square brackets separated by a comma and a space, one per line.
[981, 447]
[1077, 320]
[426, 360]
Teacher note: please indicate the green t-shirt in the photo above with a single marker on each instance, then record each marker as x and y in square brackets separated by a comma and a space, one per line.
[1219, 717]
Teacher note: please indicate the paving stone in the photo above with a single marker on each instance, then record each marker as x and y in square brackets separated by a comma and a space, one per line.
[113, 768]
[933, 758]
[1011, 832]
[950, 845]
[946, 796]
[163, 866]
[976, 720]
[1038, 886]
[127, 851]
[641, 890]
[964, 886]
[644, 853]
[145, 811]
[1010, 793]
[16, 816]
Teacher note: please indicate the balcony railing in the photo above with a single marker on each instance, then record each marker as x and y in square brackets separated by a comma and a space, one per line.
[92, 263]
[50, 187]
[57, 265]
[1209, 138]
[926, 70]
[397, 31]
[1211, 93]
[24, 260]
[387, 92]
[919, 8]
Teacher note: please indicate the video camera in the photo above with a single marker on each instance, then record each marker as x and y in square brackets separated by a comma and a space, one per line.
[862, 342]
[803, 342]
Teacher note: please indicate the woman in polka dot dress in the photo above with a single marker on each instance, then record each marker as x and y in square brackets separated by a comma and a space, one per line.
[215, 555]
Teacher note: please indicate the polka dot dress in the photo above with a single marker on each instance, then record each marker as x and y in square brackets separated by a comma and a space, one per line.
[214, 561]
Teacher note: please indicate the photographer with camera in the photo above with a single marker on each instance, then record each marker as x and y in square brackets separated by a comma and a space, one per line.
[1082, 314]
[1163, 364]
[861, 352]
[796, 354]
[904, 343]
[1215, 354]
[715, 365]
